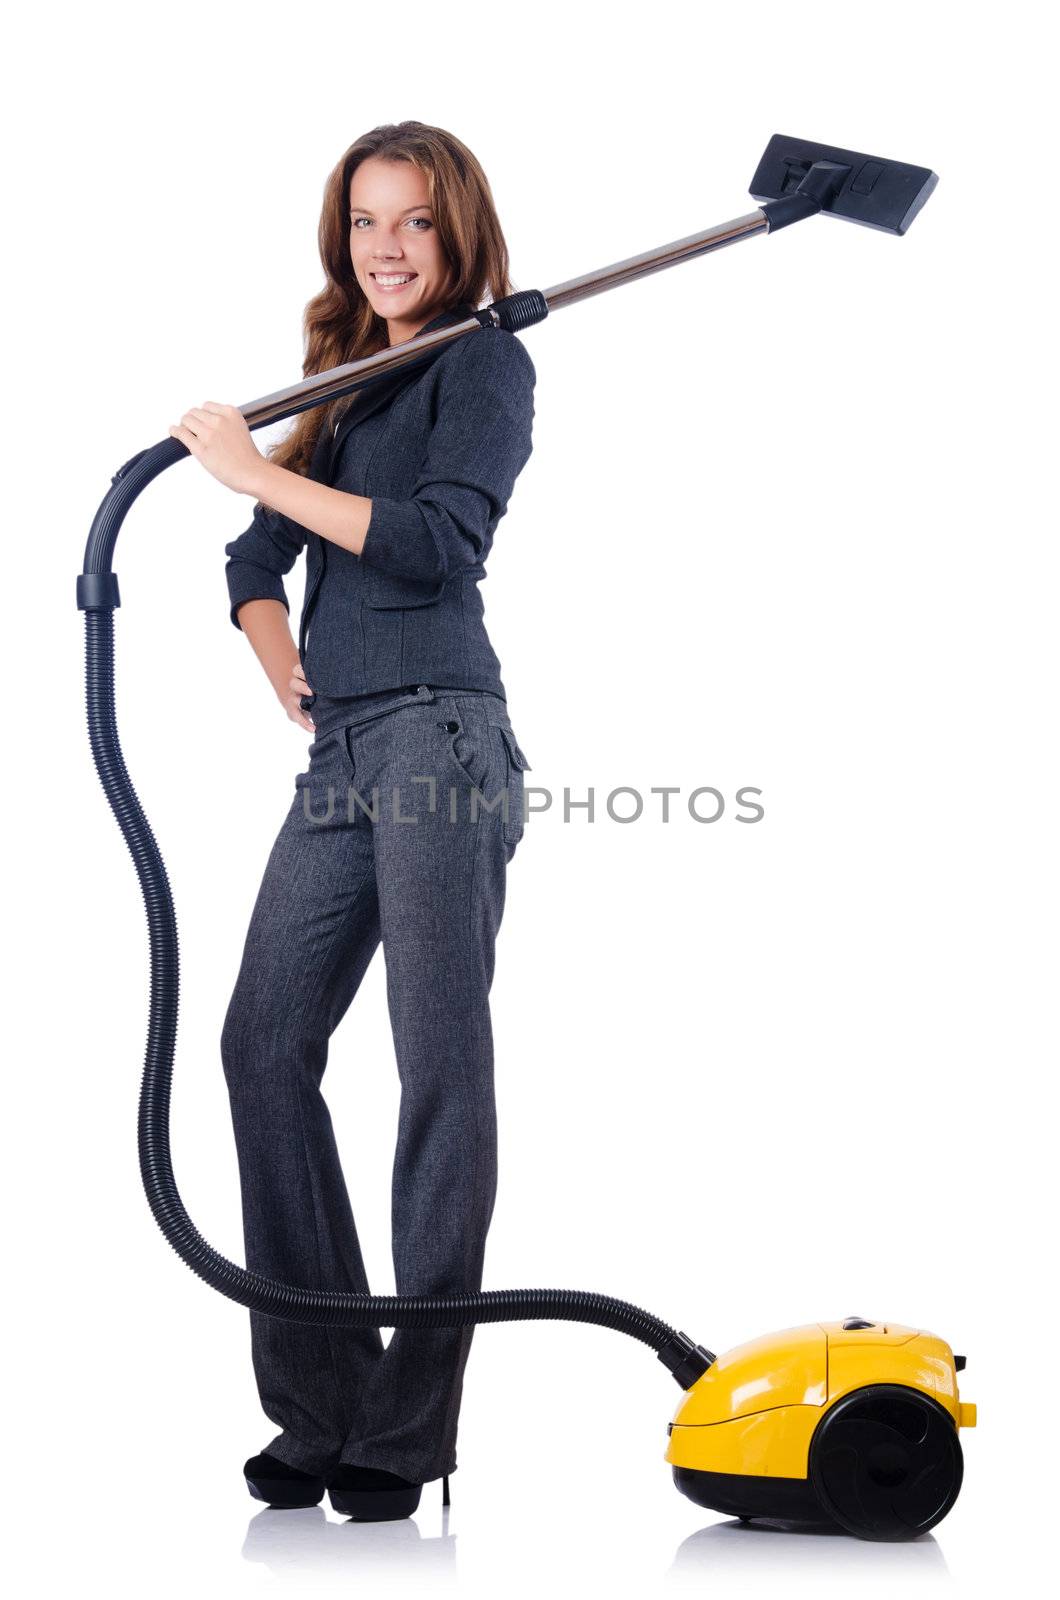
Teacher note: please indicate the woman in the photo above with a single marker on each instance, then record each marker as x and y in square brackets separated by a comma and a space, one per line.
[402, 826]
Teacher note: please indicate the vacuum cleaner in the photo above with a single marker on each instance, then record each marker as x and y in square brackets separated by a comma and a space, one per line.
[851, 1424]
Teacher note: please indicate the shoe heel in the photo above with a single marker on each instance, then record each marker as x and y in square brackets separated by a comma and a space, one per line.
[445, 1489]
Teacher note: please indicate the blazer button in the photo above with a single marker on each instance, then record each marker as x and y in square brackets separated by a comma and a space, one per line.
[450, 727]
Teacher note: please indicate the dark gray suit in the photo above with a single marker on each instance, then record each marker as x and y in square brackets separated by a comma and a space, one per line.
[385, 841]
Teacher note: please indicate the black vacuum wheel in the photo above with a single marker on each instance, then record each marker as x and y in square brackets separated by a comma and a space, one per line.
[886, 1462]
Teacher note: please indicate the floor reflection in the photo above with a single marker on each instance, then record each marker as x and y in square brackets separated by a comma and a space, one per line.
[291, 1544]
[772, 1548]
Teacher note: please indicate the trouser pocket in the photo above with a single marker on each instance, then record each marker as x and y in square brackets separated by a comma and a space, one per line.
[467, 745]
[517, 764]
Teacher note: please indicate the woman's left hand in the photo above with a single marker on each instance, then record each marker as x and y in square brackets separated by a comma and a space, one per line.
[218, 436]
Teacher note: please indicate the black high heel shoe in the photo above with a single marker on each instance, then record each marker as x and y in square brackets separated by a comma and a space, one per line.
[280, 1485]
[368, 1494]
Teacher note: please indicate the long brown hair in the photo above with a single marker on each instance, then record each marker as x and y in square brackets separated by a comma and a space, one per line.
[339, 324]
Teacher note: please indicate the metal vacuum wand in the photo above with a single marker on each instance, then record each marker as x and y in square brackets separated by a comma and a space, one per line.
[514, 312]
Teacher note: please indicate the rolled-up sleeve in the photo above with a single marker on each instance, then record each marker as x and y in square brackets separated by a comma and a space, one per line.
[479, 444]
[260, 556]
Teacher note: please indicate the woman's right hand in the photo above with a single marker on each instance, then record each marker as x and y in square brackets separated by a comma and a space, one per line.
[295, 689]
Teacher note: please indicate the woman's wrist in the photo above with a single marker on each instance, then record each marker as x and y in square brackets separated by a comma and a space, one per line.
[262, 478]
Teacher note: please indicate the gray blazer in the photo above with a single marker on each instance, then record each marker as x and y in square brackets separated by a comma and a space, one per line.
[437, 451]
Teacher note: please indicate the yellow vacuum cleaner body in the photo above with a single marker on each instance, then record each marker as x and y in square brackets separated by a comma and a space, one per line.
[854, 1423]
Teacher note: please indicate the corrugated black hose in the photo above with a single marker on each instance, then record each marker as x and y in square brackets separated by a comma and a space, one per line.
[97, 596]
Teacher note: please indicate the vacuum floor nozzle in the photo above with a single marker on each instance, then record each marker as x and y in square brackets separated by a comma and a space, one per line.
[867, 189]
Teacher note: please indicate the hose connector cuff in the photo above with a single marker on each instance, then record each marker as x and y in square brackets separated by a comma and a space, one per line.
[97, 591]
[516, 311]
[686, 1360]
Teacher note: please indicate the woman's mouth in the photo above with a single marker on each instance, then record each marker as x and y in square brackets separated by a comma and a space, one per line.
[392, 282]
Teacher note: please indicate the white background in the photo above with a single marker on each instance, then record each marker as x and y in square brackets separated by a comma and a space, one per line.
[788, 523]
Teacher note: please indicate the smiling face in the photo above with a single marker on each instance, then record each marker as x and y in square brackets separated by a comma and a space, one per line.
[393, 235]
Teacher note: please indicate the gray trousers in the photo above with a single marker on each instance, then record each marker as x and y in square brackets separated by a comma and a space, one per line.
[400, 831]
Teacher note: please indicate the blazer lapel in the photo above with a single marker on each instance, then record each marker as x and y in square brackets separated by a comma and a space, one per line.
[367, 401]
[318, 464]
